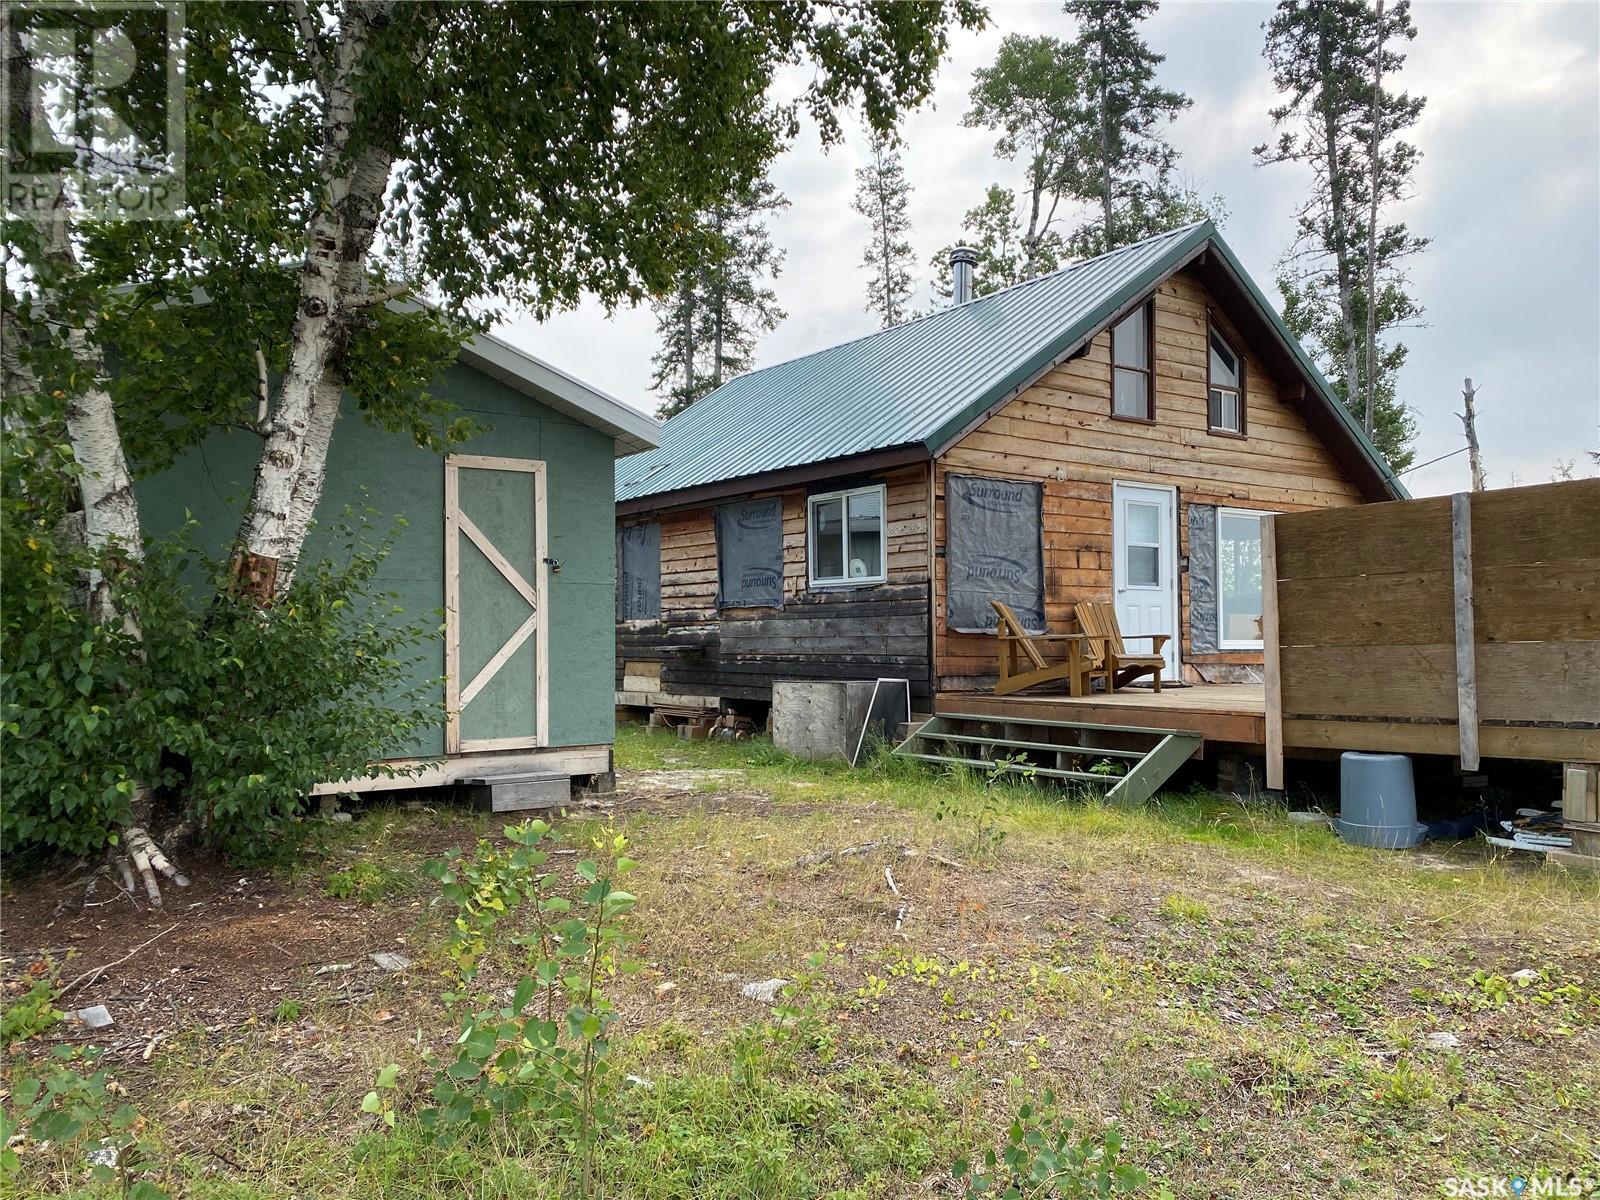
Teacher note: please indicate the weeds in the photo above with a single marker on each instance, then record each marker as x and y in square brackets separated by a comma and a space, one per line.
[367, 882]
[34, 1013]
[69, 1110]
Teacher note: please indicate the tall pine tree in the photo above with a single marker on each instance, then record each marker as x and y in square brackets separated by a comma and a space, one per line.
[708, 325]
[1343, 281]
[1124, 167]
[882, 194]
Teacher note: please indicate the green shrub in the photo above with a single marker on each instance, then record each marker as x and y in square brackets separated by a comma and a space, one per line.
[233, 711]
[80, 1113]
[1047, 1158]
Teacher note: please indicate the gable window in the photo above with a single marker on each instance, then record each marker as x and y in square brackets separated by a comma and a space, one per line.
[1132, 355]
[1238, 579]
[1224, 386]
[845, 537]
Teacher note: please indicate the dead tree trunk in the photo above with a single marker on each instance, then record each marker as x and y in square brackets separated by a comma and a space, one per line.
[1469, 422]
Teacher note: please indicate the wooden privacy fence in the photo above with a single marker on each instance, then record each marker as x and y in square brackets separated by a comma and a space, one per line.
[1463, 625]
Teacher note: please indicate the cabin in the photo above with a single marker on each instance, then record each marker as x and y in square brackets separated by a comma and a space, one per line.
[1114, 431]
[509, 538]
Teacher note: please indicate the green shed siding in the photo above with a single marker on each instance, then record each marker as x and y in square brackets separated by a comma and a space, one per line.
[211, 482]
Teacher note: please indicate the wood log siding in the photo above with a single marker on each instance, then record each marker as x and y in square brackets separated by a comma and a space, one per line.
[823, 633]
[1059, 431]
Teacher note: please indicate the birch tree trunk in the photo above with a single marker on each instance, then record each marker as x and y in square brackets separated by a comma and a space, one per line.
[359, 225]
[110, 525]
[273, 525]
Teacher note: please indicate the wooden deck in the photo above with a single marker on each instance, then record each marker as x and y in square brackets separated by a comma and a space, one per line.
[1232, 714]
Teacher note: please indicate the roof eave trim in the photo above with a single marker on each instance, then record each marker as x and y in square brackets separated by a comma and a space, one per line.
[887, 459]
[630, 429]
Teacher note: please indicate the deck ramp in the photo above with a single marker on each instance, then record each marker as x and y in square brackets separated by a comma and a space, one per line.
[1130, 762]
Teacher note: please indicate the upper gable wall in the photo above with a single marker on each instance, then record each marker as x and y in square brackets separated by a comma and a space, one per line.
[1061, 431]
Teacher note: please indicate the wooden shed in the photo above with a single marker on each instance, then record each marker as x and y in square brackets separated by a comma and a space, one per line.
[510, 538]
[1114, 431]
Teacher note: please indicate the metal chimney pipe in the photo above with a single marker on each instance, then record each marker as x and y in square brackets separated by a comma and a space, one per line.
[962, 261]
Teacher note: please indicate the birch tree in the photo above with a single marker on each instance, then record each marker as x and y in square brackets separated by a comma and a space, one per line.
[1031, 95]
[1343, 280]
[476, 156]
[882, 196]
[994, 229]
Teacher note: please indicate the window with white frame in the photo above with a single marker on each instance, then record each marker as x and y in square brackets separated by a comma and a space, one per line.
[1238, 579]
[845, 537]
[1224, 387]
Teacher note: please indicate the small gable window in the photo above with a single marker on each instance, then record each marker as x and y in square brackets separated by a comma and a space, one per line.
[1131, 354]
[1224, 386]
[844, 532]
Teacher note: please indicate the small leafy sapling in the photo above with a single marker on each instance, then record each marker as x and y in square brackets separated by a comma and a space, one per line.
[544, 1052]
[380, 1100]
[68, 1107]
[1046, 1157]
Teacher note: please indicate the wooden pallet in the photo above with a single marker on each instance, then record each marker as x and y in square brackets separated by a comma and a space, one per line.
[1056, 750]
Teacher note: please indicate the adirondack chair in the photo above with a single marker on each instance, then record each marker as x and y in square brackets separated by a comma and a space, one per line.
[1022, 665]
[1108, 658]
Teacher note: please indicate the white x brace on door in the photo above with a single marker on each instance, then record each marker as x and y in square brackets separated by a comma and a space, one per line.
[496, 616]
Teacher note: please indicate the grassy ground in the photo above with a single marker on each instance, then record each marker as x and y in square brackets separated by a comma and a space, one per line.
[1260, 1010]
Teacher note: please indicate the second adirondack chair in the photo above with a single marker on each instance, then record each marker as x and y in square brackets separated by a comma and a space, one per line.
[1108, 657]
[1023, 666]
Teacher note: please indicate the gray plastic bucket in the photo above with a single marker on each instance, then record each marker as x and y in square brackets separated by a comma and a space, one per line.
[1377, 801]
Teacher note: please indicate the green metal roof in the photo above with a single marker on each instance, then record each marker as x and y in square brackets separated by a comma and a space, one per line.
[922, 383]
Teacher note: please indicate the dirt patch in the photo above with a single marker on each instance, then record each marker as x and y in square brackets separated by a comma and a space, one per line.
[218, 953]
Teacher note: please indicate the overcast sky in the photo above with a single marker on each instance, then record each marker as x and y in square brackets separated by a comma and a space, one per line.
[1508, 190]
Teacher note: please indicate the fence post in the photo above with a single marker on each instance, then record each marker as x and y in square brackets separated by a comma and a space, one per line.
[1269, 646]
[1466, 643]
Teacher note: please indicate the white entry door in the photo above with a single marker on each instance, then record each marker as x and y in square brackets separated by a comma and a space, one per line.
[1145, 575]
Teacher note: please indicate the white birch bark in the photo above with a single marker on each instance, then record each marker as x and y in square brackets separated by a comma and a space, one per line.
[110, 510]
[358, 228]
[266, 532]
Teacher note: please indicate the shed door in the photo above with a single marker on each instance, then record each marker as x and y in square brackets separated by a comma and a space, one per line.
[496, 635]
[1145, 574]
